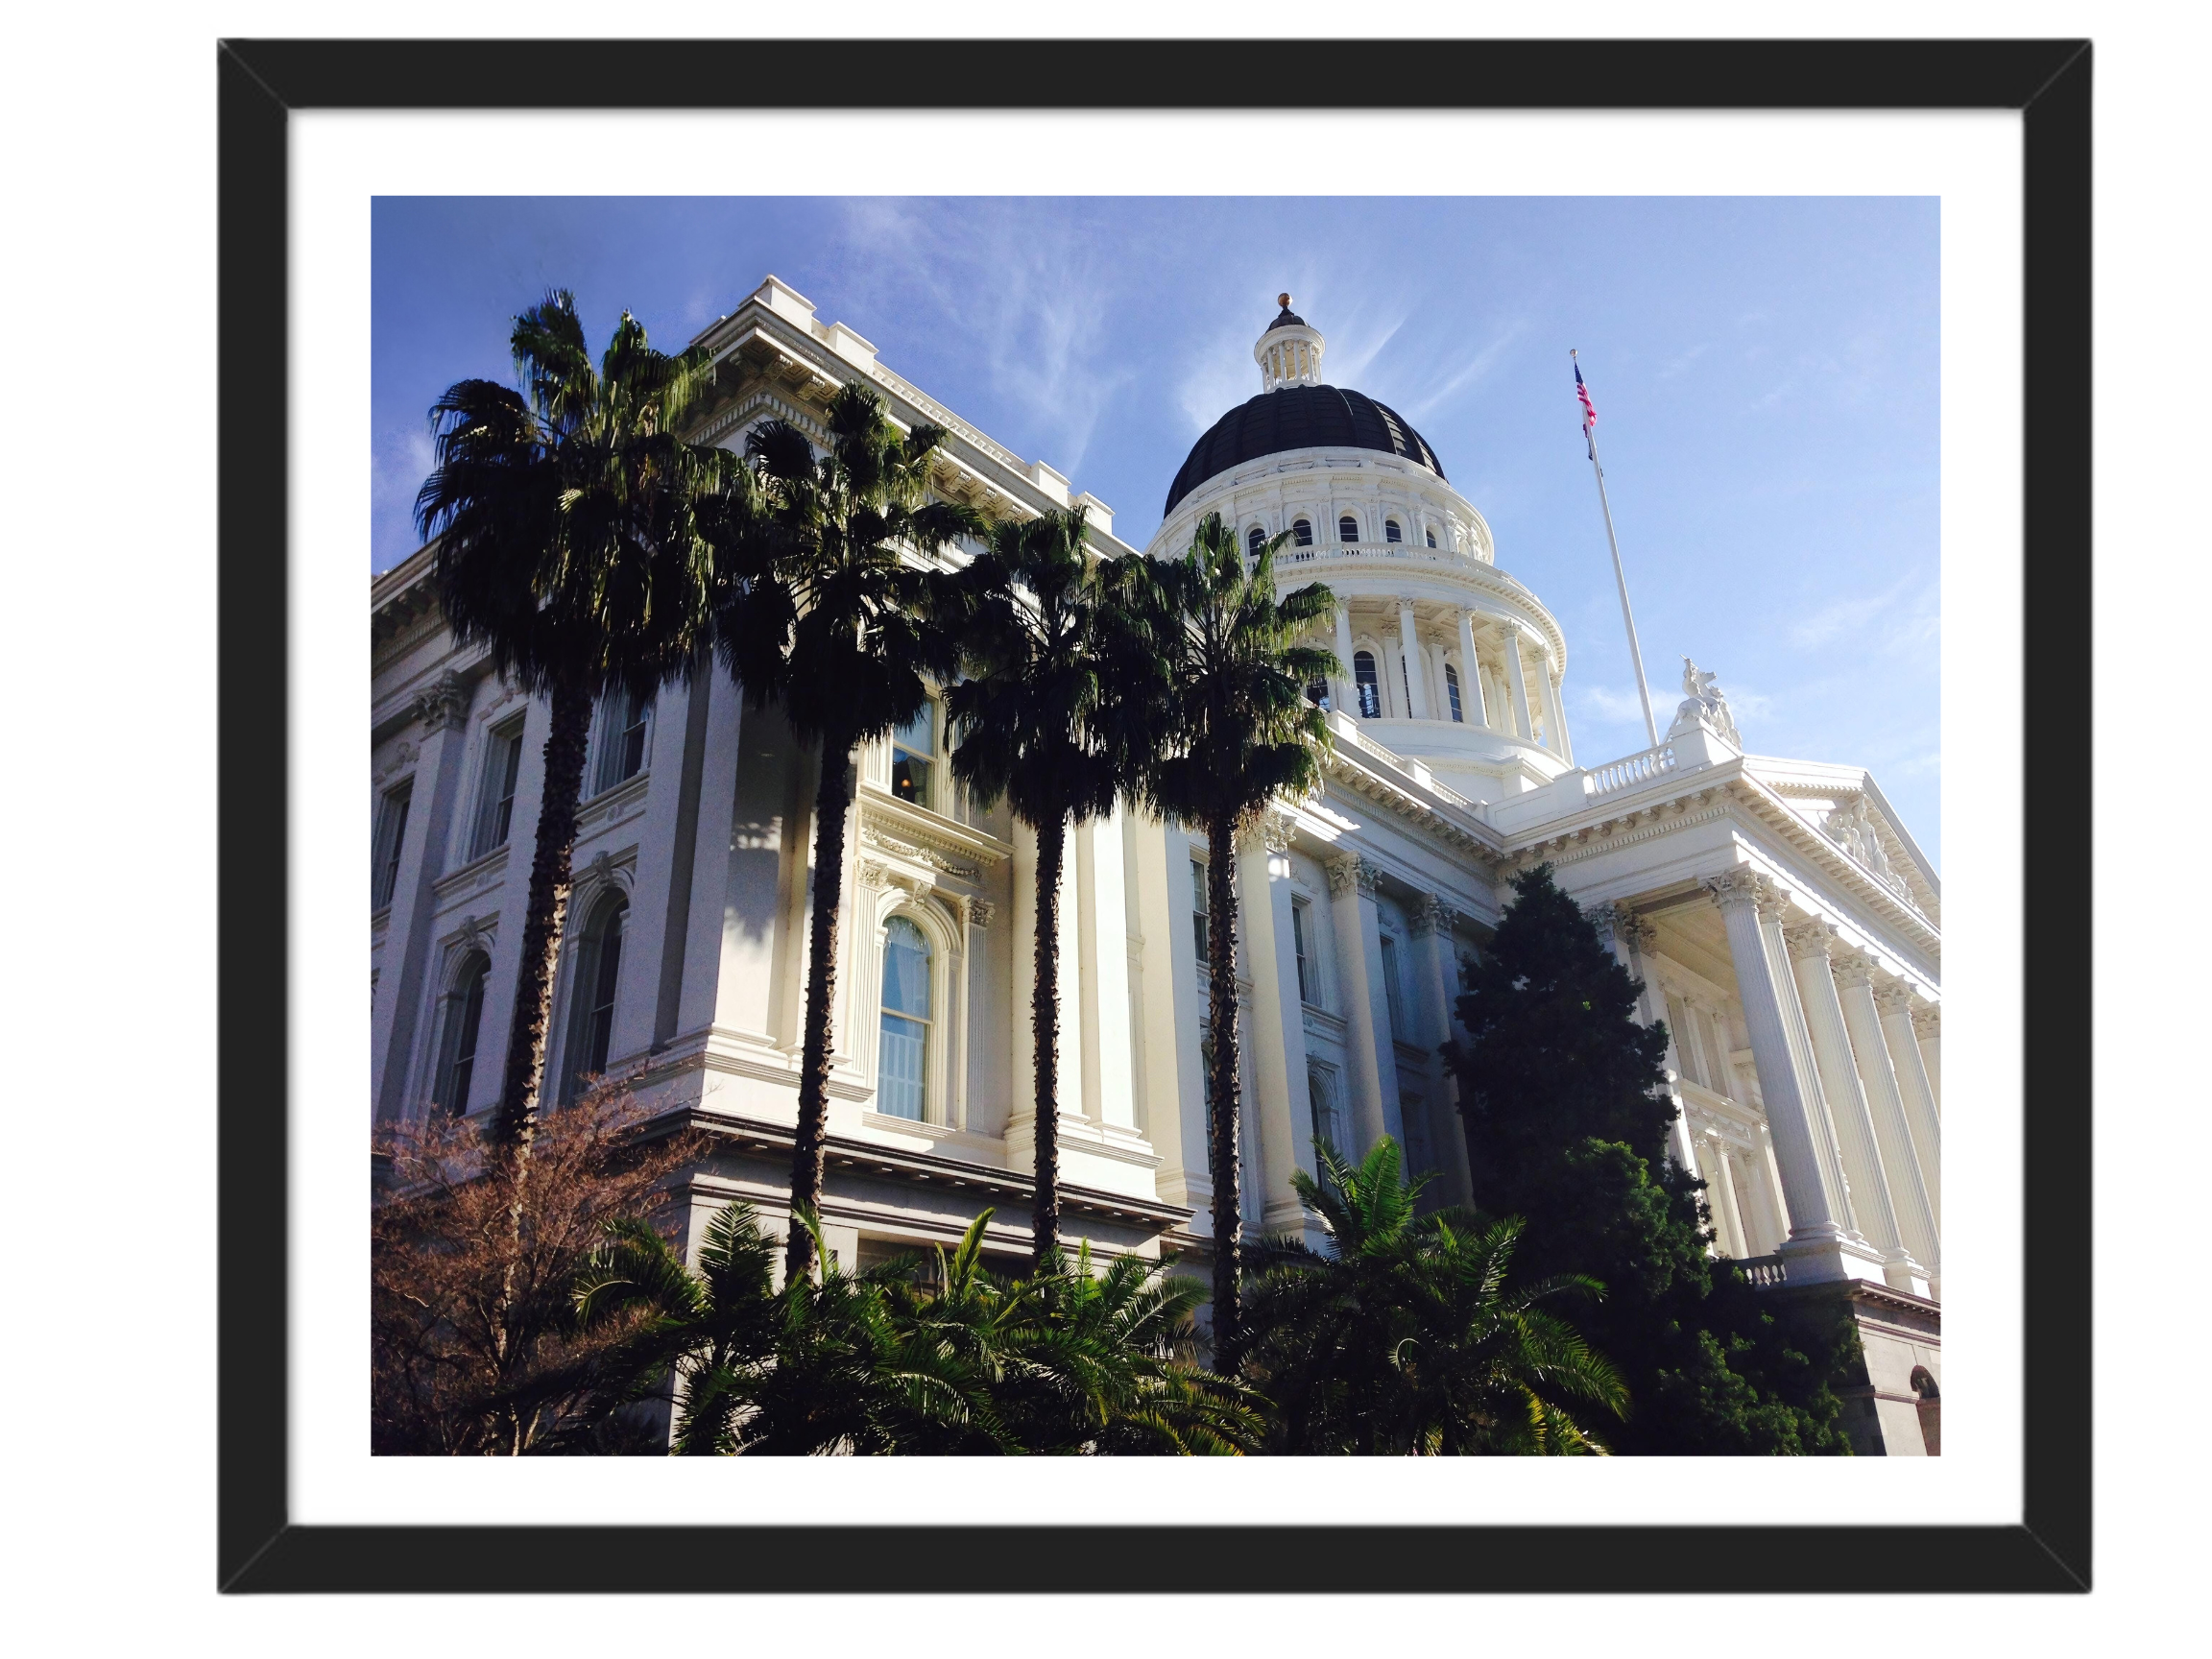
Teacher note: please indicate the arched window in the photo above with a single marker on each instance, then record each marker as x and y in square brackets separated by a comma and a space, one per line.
[624, 739]
[1255, 539]
[902, 1059]
[1432, 534]
[1301, 532]
[1370, 691]
[1328, 1125]
[1317, 692]
[1452, 692]
[1391, 532]
[1931, 1411]
[1347, 528]
[457, 1046]
[598, 972]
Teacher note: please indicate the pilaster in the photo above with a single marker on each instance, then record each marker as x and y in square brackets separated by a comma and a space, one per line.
[1357, 929]
[1278, 1027]
[1431, 919]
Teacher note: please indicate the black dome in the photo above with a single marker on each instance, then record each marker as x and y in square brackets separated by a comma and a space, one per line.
[1299, 417]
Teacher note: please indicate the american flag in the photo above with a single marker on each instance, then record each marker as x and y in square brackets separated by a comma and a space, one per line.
[1588, 409]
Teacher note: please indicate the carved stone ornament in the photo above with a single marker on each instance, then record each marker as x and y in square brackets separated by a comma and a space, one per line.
[980, 912]
[601, 870]
[1607, 919]
[476, 934]
[1928, 1019]
[1736, 888]
[1352, 871]
[1809, 938]
[1853, 969]
[445, 703]
[873, 873]
[1854, 828]
[1703, 703]
[1896, 998]
[1431, 914]
[1276, 829]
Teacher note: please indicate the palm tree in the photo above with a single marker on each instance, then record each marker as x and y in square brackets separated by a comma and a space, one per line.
[823, 602]
[1032, 724]
[1224, 726]
[1408, 1340]
[568, 522]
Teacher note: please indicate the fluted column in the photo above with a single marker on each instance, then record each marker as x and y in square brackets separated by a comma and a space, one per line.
[1430, 921]
[1517, 678]
[1356, 924]
[1897, 1006]
[1346, 698]
[1735, 1241]
[1872, 1204]
[1804, 1155]
[1278, 1035]
[1416, 680]
[1471, 673]
[1554, 710]
[1928, 1028]
[1909, 1193]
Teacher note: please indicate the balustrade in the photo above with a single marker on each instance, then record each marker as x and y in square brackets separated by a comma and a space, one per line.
[1625, 774]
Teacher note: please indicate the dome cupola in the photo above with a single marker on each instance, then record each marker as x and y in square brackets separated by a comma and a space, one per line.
[1289, 353]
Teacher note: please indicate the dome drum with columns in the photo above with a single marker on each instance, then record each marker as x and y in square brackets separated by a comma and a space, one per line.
[1779, 918]
[1445, 656]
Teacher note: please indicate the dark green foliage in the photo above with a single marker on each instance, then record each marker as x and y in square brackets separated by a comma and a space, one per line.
[1034, 722]
[1211, 666]
[924, 1356]
[1409, 1340]
[1567, 1124]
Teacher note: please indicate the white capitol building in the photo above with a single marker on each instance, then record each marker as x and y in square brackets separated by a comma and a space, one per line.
[1783, 923]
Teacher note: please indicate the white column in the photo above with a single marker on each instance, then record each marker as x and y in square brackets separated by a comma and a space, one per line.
[1102, 915]
[407, 967]
[1928, 1028]
[1727, 1216]
[1818, 1244]
[1353, 883]
[1898, 1007]
[1346, 696]
[1555, 711]
[1435, 969]
[1441, 685]
[1517, 678]
[1283, 1104]
[1471, 673]
[1892, 1126]
[1872, 1205]
[1416, 680]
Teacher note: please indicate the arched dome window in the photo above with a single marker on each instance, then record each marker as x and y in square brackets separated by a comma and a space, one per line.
[1431, 538]
[1452, 692]
[1369, 688]
[457, 1046]
[902, 1059]
[1255, 539]
[1301, 532]
[1391, 531]
[1317, 692]
[598, 970]
[1347, 528]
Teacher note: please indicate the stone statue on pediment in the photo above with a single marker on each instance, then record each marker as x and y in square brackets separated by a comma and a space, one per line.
[1852, 827]
[1703, 702]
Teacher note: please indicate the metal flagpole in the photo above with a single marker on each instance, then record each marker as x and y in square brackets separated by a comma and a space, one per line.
[1627, 616]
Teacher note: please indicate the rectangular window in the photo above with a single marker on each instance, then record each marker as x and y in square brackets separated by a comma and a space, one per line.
[1451, 690]
[1390, 992]
[913, 757]
[1306, 985]
[1198, 909]
[391, 842]
[626, 722]
[502, 764]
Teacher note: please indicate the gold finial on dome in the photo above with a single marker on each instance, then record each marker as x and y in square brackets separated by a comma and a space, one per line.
[1284, 301]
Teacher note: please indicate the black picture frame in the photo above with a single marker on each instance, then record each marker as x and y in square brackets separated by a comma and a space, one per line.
[261, 82]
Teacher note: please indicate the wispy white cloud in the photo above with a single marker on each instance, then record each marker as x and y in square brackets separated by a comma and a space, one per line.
[1674, 366]
[1610, 703]
[1471, 372]
[1915, 624]
[398, 465]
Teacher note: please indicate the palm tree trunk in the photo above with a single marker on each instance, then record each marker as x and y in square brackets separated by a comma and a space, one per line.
[1221, 1019]
[1044, 1031]
[810, 1147]
[546, 915]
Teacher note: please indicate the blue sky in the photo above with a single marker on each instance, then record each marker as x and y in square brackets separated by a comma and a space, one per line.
[1765, 369]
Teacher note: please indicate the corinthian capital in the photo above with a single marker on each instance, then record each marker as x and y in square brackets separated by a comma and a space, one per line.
[445, 703]
[1738, 889]
[1809, 938]
[1353, 871]
[1431, 914]
[1853, 968]
[1276, 829]
[1928, 1019]
[1894, 997]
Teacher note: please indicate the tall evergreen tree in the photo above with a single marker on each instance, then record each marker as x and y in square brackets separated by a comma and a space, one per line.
[1217, 689]
[1033, 723]
[1562, 1097]
[826, 602]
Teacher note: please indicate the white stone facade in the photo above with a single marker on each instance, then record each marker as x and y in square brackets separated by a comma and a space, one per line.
[1783, 923]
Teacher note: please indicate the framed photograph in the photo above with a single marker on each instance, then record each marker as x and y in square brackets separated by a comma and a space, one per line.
[1254, 686]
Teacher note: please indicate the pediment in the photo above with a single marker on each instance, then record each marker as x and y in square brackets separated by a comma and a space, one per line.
[1848, 808]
